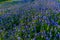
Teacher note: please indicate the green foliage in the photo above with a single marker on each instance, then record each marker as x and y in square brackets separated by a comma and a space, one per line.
[2, 0]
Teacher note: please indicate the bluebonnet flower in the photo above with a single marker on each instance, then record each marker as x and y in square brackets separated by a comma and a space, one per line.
[19, 38]
[38, 34]
[58, 34]
[1, 31]
[28, 31]
[35, 34]
[34, 39]
[26, 26]
[35, 28]
[28, 36]
[47, 38]
[44, 17]
[54, 23]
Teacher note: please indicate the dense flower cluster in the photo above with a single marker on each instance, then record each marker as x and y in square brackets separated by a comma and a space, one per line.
[30, 23]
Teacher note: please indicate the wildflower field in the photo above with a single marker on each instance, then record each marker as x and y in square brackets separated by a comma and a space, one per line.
[30, 20]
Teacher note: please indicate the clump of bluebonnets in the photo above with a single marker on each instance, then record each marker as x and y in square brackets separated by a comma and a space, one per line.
[30, 24]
